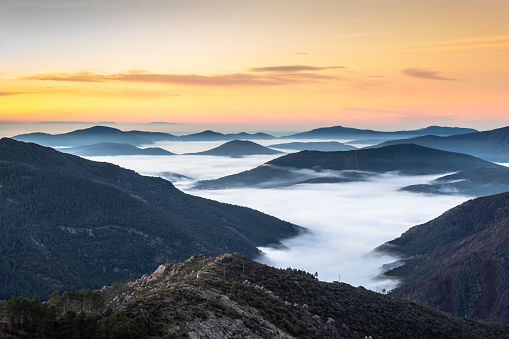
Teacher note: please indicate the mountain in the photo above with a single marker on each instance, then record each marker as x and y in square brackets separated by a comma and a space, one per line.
[67, 222]
[475, 182]
[488, 145]
[238, 148]
[231, 296]
[325, 146]
[102, 134]
[340, 132]
[86, 136]
[407, 159]
[209, 135]
[458, 262]
[109, 149]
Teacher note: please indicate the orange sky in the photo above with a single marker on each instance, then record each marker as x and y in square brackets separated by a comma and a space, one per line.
[367, 63]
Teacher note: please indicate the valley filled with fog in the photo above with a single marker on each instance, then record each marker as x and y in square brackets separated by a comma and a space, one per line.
[346, 220]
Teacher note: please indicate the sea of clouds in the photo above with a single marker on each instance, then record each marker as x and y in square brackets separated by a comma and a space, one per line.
[346, 220]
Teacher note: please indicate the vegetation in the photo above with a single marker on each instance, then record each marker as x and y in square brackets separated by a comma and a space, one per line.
[458, 262]
[68, 223]
[70, 315]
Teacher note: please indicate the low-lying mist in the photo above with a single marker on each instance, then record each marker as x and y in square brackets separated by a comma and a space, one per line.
[346, 220]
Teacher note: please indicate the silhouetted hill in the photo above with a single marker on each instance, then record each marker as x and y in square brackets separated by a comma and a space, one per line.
[458, 262]
[86, 136]
[68, 223]
[215, 136]
[108, 149]
[489, 145]
[326, 146]
[238, 148]
[303, 166]
[101, 134]
[476, 182]
[340, 132]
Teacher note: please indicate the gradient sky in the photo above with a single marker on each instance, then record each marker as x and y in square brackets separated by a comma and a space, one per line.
[368, 63]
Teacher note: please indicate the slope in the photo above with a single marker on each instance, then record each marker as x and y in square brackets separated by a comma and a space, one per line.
[65, 220]
[112, 149]
[490, 145]
[458, 262]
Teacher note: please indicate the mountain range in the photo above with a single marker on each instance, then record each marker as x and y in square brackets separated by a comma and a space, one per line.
[67, 222]
[458, 262]
[99, 134]
[490, 145]
[313, 166]
[348, 133]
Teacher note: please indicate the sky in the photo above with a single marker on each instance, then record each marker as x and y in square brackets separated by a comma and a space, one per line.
[384, 65]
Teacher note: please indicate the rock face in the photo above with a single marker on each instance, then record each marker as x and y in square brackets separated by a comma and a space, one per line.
[231, 296]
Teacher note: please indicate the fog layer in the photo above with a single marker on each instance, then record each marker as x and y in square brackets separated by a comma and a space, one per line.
[347, 220]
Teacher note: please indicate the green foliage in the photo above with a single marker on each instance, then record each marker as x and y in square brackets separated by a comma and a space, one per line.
[76, 223]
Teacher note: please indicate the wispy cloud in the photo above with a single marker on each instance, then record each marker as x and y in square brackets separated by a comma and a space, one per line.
[424, 73]
[2, 94]
[235, 79]
[291, 68]
[59, 3]
[370, 110]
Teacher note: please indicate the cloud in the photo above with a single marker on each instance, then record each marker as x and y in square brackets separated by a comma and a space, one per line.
[370, 110]
[346, 220]
[290, 68]
[225, 80]
[2, 94]
[60, 3]
[423, 73]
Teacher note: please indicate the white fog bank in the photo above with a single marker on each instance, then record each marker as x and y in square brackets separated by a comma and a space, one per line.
[347, 220]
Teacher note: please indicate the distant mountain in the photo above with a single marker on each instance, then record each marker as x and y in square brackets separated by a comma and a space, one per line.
[458, 262]
[209, 135]
[340, 132]
[109, 149]
[407, 159]
[68, 223]
[238, 148]
[476, 182]
[231, 296]
[82, 137]
[489, 145]
[101, 134]
[326, 146]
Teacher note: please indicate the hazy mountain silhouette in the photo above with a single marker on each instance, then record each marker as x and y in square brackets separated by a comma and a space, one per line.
[100, 134]
[490, 145]
[476, 182]
[458, 261]
[407, 159]
[325, 146]
[109, 148]
[209, 135]
[340, 132]
[73, 223]
[238, 148]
